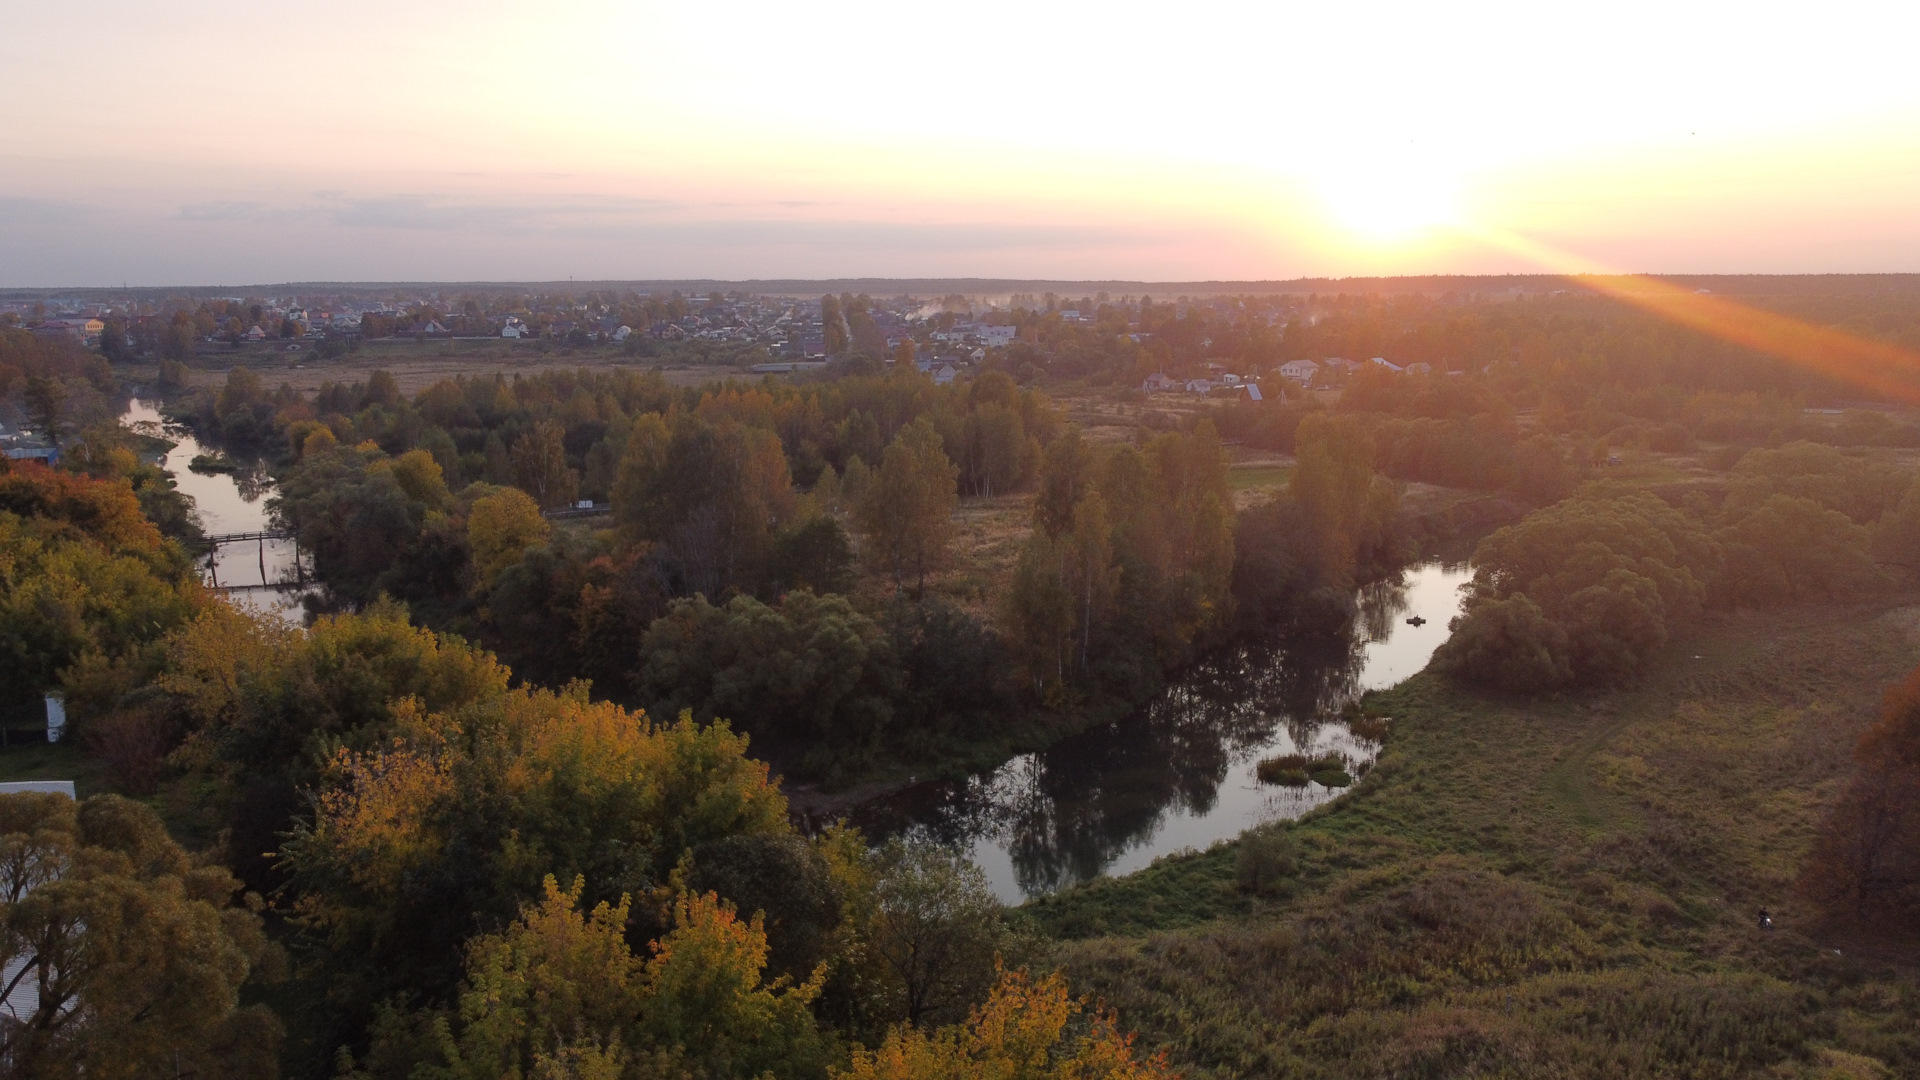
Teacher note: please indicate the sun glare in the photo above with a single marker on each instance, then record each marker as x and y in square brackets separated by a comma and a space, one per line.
[1386, 207]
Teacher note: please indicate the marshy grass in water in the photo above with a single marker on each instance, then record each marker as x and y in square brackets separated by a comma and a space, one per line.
[213, 463]
[1295, 770]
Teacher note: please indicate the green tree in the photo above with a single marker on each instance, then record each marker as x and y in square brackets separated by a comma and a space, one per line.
[811, 679]
[133, 956]
[936, 926]
[907, 510]
[46, 402]
[1793, 546]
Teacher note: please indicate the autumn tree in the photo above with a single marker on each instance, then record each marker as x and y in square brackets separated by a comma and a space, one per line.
[560, 993]
[1026, 1028]
[467, 810]
[131, 955]
[833, 325]
[88, 587]
[500, 527]
[712, 495]
[906, 512]
[539, 463]
[1865, 860]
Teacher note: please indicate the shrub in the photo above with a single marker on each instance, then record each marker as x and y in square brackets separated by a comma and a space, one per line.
[1265, 863]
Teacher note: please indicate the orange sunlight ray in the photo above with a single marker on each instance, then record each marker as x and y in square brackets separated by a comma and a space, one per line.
[1871, 365]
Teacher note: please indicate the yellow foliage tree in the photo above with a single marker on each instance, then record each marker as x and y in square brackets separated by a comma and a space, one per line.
[1020, 1033]
[561, 994]
[499, 528]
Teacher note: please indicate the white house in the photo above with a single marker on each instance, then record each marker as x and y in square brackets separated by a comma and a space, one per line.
[254, 333]
[1381, 361]
[623, 333]
[998, 336]
[1199, 386]
[1300, 371]
[1160, 382]
[944, 376]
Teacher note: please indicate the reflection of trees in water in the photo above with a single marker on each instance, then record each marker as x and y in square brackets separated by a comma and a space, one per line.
[253, 481]
[1065, 814]
[1381, 605]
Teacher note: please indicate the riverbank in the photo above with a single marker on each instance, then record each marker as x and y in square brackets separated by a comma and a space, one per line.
[1565, 887]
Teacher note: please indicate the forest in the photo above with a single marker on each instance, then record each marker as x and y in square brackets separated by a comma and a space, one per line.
[515, 799]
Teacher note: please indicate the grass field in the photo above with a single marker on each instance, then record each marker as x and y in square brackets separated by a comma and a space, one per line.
[1567, 887]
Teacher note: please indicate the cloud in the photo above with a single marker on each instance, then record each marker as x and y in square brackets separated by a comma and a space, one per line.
[222, 210]
[419, 212]
[16, 211]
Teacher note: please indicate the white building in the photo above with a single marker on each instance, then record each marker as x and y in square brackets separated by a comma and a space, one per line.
[1300, 371]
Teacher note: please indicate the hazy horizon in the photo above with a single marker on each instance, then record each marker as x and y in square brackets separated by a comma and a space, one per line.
[200, 141]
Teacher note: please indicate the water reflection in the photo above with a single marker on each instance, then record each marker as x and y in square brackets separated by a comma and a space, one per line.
[229, 503]
[1179, 773]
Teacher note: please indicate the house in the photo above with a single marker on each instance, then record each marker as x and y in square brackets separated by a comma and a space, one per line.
[1199, 386]
[1381, 361]
[254, 333]
[433, 327]
[998, 336]
[622, 333]
[944, 376]
[1420, 368]
[512, 330]
[1159, 383]
[1300, 371]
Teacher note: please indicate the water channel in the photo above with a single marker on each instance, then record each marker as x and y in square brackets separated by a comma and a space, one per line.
[1179, 773]
[227, 503]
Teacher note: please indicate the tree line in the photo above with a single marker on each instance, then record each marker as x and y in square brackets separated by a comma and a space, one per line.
[471, 876]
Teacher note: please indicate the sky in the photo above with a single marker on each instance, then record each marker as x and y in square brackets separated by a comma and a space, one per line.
[158, 142]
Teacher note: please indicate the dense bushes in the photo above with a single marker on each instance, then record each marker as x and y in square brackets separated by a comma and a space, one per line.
[1590, 589]
[810, 678]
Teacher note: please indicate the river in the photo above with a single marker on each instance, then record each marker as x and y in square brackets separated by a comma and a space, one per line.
[1175, 775]
[1179, 773]
[228, 503]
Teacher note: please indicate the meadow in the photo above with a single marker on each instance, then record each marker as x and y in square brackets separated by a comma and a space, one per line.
[1566, 886]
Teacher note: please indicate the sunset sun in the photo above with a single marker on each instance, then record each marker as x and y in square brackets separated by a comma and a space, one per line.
[1386, 207]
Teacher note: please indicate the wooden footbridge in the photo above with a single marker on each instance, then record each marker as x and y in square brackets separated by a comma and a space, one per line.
[219, 540]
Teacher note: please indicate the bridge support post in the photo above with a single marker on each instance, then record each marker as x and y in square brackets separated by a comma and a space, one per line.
[263, 562]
